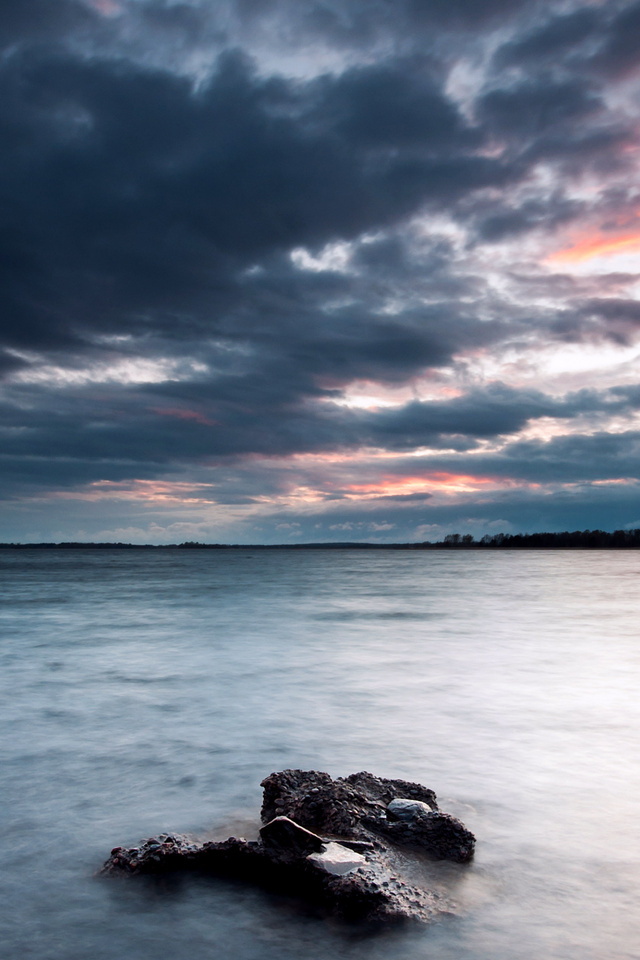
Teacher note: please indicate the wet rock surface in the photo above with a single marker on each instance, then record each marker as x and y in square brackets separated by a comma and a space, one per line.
[356, 806]
[332, 842]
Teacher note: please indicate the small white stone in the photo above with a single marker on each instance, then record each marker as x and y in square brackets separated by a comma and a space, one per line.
[406, 809]
[336, 859]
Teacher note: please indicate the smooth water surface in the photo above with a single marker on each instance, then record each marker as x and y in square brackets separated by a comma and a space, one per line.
[150, 691]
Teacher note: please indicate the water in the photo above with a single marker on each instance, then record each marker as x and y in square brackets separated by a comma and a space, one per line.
[148, 691]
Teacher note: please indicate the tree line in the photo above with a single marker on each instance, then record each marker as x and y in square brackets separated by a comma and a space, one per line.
[574, 540]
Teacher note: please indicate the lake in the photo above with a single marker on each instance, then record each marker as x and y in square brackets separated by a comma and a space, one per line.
[150, 691]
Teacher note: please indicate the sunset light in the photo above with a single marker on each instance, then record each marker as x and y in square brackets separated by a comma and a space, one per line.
[320, 454]
[446, 483]
[600, 245]
[271, 282]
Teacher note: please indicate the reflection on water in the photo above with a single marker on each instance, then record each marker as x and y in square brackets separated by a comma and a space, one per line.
[146, 692]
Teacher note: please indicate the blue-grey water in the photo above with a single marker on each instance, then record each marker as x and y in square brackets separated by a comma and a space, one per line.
[152, 691]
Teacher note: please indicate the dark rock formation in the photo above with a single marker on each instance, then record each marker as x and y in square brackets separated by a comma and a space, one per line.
[356, 806]
[287, 840]
[333, 842]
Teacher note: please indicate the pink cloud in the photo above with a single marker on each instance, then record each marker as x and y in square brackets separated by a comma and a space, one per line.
[108, 8]
[597, 245]
[179, 413]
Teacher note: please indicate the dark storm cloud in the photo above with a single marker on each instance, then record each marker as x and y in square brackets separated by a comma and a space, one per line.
[496, 221]
[170, 199]
[600, 318]
[43, 20]
[475, 415]
[603, 39]
[619, 53]
[537, 107]
[547, 100]
[550, 41]
[463, 12]
[397, 104]
[601, 458]
[482, 414]
[131, 199]
[103, 433]
[178, 18]
[31, 475]
[355, 21]
[575, 459]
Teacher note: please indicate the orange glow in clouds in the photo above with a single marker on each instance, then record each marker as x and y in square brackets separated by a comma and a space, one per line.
[438, 481]
[145, 491]
[597, 245]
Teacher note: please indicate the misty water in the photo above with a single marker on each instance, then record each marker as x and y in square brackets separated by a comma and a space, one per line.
[152, 691]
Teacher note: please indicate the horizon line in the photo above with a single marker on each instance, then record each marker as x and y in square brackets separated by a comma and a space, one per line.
[587, 539]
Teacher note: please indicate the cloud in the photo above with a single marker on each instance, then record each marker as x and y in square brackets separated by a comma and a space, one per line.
[475, 415]
[158, 194]
[611, 318]
[551, 40]
[113, 438]
[618, 54]
[44, 19]
[321, 257]
[537, 106]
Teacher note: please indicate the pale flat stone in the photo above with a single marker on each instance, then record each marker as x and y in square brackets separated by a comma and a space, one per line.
[336, 859]
[406, 809]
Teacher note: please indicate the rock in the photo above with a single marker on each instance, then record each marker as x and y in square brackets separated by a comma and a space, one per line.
[404, 809]
[336, 843]
[337, 859]
[286, 839]
[357, 844]
[356, 807]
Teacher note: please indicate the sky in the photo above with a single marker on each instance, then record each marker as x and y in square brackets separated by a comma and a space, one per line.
[279, 271]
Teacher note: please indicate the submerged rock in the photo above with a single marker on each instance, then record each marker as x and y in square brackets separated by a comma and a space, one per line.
[337, 843]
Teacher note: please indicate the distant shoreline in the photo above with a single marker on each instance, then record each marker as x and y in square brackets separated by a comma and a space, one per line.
[576, 540]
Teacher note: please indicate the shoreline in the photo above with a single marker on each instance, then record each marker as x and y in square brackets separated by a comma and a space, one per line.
[576, 540]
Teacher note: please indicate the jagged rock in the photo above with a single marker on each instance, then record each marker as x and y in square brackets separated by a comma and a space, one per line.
[336, 843]
[287, 840]
[356, 806]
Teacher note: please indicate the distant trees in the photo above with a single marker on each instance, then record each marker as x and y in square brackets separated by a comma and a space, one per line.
[455, 540]
[576, 540]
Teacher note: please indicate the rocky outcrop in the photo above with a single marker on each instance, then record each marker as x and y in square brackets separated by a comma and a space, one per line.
[337, 843]
[358, 806]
